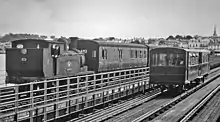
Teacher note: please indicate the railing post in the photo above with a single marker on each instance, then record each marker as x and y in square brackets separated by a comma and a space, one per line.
[32, 102]
[102, 81]
[16, 102]
[87, 84]
[45, 100]
[77, 92]
[68, 96]
[94, 85]
[57, 98]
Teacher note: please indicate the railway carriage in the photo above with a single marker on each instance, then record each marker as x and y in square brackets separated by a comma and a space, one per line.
[171, 66]
[102, 56]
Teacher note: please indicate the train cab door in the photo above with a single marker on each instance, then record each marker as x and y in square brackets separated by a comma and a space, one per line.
[55, 52]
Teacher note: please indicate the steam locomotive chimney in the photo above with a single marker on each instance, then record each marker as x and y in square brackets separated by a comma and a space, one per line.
[66, 46]
[74, 42]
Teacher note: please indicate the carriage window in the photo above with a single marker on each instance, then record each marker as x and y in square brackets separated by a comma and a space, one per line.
[140, 54]
[207, 58]
[131, 53]
[104, 53]
[197, 58]
[120, 53]
[145, 54]
[136, 53]
[191, 59]
[38, 46]
[154, 59]
[203, 58]
[94, 53]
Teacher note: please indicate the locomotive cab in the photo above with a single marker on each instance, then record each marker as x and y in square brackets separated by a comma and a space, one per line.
[30, 59]
[34, 59]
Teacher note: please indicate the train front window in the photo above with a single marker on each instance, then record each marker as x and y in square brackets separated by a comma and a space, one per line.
[159, 59]
[165, 59]
[162, 60]
[175, 60]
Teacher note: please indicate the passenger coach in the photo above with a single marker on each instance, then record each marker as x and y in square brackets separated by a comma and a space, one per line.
[176, 66]
[102, 56]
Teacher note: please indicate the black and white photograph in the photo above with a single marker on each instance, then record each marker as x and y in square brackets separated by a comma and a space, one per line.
[109, 61]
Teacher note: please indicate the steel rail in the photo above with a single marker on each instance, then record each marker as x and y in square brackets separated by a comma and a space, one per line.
[119, 109]
[153, 114]
[192, 112]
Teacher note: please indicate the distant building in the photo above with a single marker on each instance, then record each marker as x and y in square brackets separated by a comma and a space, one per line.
[214, 45]
[194, 43]
[184, 43]
[172, 43]
[204, 42]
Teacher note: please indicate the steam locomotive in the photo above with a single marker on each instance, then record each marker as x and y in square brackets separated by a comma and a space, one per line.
[32, 60]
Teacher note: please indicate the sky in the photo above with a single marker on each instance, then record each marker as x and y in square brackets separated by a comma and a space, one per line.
[110, 18]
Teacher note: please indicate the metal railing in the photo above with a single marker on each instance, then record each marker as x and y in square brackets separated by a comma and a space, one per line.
[60, 95]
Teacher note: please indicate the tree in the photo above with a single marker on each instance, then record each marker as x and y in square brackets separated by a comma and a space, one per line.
[52, 37]
[142, 41]
[162, 42]
[178, 37]
[43, 37]
[151, 41]
[136, 41]
[196, 36]
[111, 38]
[189, 37]
[170, 38]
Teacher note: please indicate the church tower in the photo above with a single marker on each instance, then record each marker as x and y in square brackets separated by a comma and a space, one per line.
[215, 34]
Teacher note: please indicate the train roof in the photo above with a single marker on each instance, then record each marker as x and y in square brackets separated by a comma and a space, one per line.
[116, 44]
[197, 50]
[185, 49]
[45, 40]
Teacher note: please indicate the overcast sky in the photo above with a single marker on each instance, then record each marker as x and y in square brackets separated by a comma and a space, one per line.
[104, 18]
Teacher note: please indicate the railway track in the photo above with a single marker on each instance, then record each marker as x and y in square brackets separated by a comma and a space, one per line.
[173, 110]
[206, 110]
[132, 109]
[119, 108]
[156, 106]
